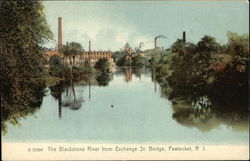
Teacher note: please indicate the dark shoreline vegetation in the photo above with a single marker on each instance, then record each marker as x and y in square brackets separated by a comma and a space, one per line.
[206, 79]
[203, 81]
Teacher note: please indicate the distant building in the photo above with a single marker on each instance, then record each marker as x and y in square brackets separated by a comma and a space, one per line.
[94, 56]
[85, 57]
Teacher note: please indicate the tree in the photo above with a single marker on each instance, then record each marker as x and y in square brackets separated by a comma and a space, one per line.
[208, 44]
[71, 50]
[74, 50]
[58, 67]
[102, 65]
[65, 52]
[23, 30]
[178, 45]
[138, 60]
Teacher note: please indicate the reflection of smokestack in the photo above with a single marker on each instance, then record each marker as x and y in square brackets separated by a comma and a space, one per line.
[89, 45]
[59, 32]
[184, 37]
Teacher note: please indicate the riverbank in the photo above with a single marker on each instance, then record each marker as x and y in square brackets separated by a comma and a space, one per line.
[192, 73]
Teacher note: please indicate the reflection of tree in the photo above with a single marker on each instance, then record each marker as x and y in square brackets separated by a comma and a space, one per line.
[138, 72]
[14, 113]
[56, 91]
[71, 100]
[202, 112]
[66, 96]
[104, 78]
[153, 77]
[207, 118]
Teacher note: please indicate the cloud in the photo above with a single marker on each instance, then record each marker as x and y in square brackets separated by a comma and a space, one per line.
[105, 32]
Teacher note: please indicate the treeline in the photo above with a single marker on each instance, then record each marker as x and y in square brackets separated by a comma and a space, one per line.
[23, 30]
[123, 58]
[206, 69]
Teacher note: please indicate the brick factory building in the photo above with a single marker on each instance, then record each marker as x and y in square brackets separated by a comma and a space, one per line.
[85, 57]
[94, 56]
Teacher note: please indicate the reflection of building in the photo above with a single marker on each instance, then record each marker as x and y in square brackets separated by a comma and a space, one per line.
[128, 75]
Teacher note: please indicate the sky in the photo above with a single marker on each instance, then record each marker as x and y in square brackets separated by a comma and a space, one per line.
[111, 24]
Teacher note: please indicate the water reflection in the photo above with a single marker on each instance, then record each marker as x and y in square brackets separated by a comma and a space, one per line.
[71, 100]
[130, 111]
[104, 78]
[66, 96]
[70, 97]
[128, 73]
[13, 114]
[193, 110]
[153, 77]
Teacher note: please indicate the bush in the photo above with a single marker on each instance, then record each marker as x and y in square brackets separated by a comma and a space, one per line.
[102, 65]
[58, 68]
[138, 60]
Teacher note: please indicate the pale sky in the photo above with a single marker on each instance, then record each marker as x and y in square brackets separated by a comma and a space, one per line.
[110, 24]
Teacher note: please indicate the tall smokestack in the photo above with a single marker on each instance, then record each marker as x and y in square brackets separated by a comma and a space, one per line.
[89, 45]
[59, 33]
[184, 36]
[155, 42]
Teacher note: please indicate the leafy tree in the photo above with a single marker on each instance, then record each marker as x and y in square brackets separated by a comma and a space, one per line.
[23, 30]
[71, 50]
[138, 60]
[230, 73]
[121, 61]
[65, 52]
[74, 50]
[102, 65]
[57, 67]
[207, 69]
[208, 44]
[118, 55]
[178, 45]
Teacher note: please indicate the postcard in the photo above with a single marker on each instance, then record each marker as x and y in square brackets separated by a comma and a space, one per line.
[124, 80]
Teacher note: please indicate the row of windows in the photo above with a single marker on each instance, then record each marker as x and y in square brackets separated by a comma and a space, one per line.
[86, 58]
[98, 53]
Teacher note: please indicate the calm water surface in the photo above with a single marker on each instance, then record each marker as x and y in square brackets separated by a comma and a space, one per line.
[127, 108]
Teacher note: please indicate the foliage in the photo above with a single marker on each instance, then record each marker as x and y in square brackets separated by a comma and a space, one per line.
[206, 69]
[81, 72]
[122, 61]
[135, 60]
[57, 67]
[103, 65]
[233, 68]
[23, 30]
[71, 50]
[138, 60]
[117, 55]
[74, 50]
[104, 78]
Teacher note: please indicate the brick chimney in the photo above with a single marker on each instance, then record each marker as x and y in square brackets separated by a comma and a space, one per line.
[184, 36]
[155, 42]
[89, 45]
[59, 33]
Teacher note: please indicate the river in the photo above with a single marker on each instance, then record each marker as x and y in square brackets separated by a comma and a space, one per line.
[127, 106]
